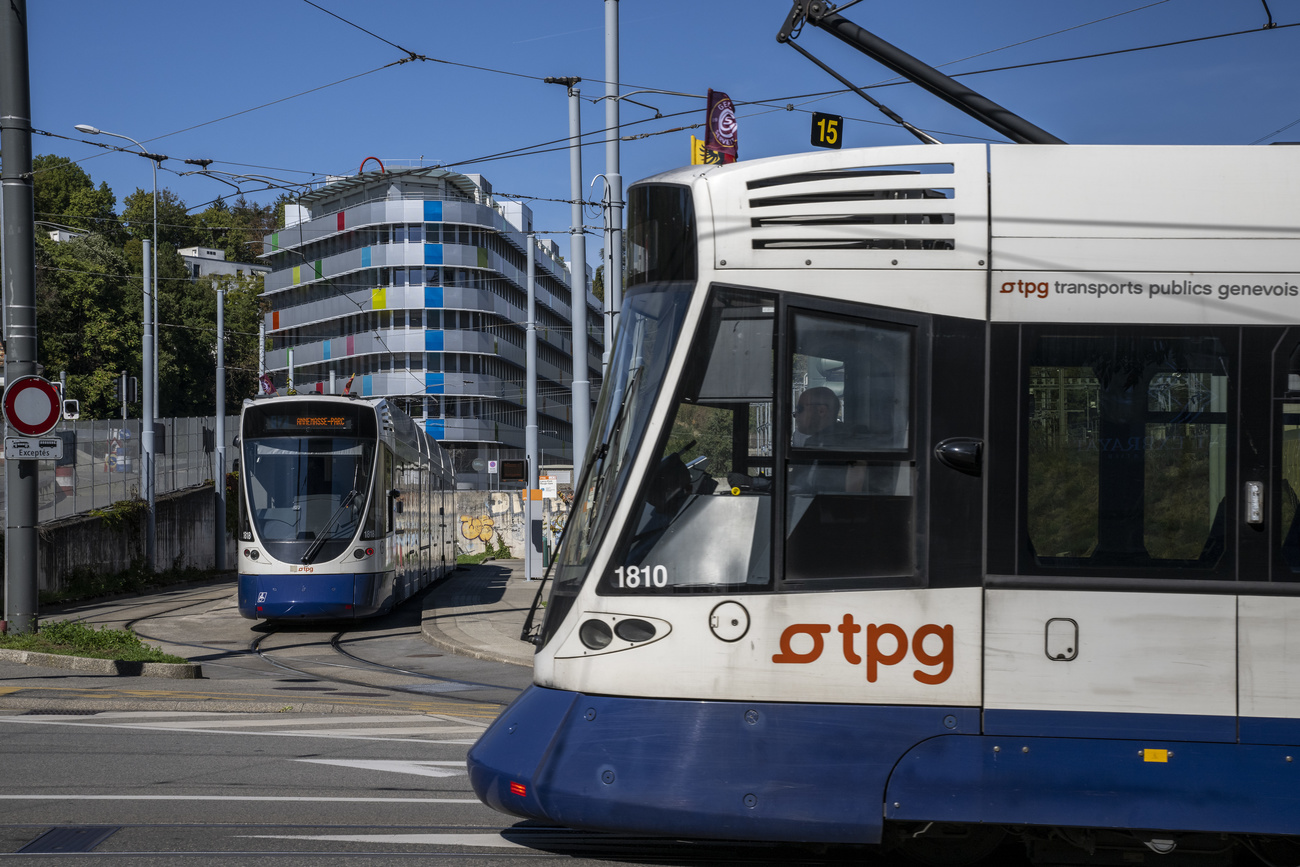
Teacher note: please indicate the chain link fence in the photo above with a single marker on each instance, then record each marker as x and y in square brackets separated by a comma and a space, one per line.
[101, 462]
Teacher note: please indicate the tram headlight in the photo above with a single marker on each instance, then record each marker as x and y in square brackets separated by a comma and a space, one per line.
[251, 553]
[595, 634]
[359, 553]
[635, 630]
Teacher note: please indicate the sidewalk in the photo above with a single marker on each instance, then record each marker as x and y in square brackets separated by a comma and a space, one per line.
[480, 611]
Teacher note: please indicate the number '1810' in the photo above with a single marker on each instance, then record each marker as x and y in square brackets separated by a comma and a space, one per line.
[632, 577]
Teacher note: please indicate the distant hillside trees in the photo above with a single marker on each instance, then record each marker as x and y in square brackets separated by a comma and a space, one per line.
[89, 292]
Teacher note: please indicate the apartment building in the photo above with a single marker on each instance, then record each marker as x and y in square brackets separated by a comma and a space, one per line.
[412, 285]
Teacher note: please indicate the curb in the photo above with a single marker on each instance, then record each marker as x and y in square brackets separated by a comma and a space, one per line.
[438, 639]
[173, 670]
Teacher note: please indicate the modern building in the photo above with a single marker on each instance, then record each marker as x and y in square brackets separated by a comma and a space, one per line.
[412, 284]
[205, 262]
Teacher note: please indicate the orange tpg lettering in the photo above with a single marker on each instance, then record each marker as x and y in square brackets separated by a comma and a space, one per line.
[886, 644]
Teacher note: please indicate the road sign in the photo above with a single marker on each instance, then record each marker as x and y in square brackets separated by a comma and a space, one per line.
[33, 449]
[827, 130]
[32, 406]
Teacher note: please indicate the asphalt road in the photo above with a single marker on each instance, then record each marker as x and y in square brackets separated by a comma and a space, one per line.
[304, 746]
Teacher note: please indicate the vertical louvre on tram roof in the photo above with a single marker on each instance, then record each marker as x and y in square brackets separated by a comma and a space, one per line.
[905, 207]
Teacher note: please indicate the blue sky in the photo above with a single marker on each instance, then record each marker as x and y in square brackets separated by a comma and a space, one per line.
[254, 85]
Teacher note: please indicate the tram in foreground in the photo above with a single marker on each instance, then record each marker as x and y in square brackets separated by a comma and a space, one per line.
[343, 508]
[937, 493]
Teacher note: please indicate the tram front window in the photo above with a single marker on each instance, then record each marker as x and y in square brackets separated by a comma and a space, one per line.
[307, 495]
[704, 515]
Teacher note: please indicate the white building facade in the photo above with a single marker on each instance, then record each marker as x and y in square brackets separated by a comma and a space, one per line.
[412, 285]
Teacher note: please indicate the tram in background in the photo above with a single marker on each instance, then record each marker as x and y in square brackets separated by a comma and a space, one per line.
[937, 492]
[345, 508]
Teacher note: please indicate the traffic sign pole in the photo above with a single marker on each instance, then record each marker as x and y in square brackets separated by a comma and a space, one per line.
[21, 542]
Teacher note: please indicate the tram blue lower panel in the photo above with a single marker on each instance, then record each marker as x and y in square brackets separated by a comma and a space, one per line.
[729, 770]
[315, 596]
[1099, 783]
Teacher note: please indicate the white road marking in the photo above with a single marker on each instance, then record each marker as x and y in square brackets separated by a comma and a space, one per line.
[339, 735]
[423, 769]
[286, 720]
[493, 840]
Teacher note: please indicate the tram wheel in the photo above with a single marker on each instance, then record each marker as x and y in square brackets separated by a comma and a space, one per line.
[938, 845]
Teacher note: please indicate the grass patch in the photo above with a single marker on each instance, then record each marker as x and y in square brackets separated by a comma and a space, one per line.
[473, 559]
[71, 638]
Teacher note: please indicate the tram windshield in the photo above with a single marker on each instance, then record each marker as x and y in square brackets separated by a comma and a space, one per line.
[661, 278]
[307, 495]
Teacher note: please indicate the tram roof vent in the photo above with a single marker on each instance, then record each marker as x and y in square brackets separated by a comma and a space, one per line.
[888, 214]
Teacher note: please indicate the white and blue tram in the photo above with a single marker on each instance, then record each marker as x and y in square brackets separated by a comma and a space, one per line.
[345, 508]
[1033, 567]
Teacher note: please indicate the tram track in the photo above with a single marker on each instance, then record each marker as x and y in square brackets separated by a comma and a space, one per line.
[341, 666]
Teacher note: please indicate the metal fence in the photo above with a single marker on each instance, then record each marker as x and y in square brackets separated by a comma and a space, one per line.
[101, 462]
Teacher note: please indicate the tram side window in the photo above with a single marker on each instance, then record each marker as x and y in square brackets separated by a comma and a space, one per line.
[1289, 499]
[1127, 451]
[705, 512]
[850, 509]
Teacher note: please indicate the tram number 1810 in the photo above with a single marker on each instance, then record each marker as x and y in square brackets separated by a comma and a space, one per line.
[632, 577]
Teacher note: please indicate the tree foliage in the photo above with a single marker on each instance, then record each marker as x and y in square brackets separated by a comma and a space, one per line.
[90, 293]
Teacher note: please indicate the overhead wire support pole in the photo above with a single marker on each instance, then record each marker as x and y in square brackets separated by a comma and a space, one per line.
[22, 547]
[822, 15]
[580, 384]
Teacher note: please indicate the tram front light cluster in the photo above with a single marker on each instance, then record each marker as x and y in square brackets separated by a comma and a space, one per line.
[597, 634]
[251, 553]
[363, 552]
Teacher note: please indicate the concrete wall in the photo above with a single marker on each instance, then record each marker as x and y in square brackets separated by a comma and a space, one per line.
[185, 526]
[486, 517]
[186, 519]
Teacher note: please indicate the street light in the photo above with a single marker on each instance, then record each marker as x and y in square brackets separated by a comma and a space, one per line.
[149, 357]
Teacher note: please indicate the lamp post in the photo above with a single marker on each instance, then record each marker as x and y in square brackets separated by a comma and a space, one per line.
[149, 358]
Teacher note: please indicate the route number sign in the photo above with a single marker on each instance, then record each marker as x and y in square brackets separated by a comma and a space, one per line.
[32, 406]
[827, 130]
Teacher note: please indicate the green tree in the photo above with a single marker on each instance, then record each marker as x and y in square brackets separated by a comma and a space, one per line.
[189, 381]
[86, 319]
[176, 228]
[66, 196]
[236, 230]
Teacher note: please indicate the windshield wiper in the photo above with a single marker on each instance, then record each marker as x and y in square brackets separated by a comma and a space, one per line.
[323, 535]
[609, 446]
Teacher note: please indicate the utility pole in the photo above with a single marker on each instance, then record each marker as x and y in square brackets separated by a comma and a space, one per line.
[219, 451]
[581, 386]
[21, 541]
[532, 523]
[613, 183]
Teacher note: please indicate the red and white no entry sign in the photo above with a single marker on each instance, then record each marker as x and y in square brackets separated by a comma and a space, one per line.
[31, 405]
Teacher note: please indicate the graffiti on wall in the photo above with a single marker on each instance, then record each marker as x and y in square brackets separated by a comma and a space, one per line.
[477, 528]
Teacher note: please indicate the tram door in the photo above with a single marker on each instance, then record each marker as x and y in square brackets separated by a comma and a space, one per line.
[1269, 616]
[1115, 529]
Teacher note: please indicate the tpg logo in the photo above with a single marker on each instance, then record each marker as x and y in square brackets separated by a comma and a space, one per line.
[1026, 288]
